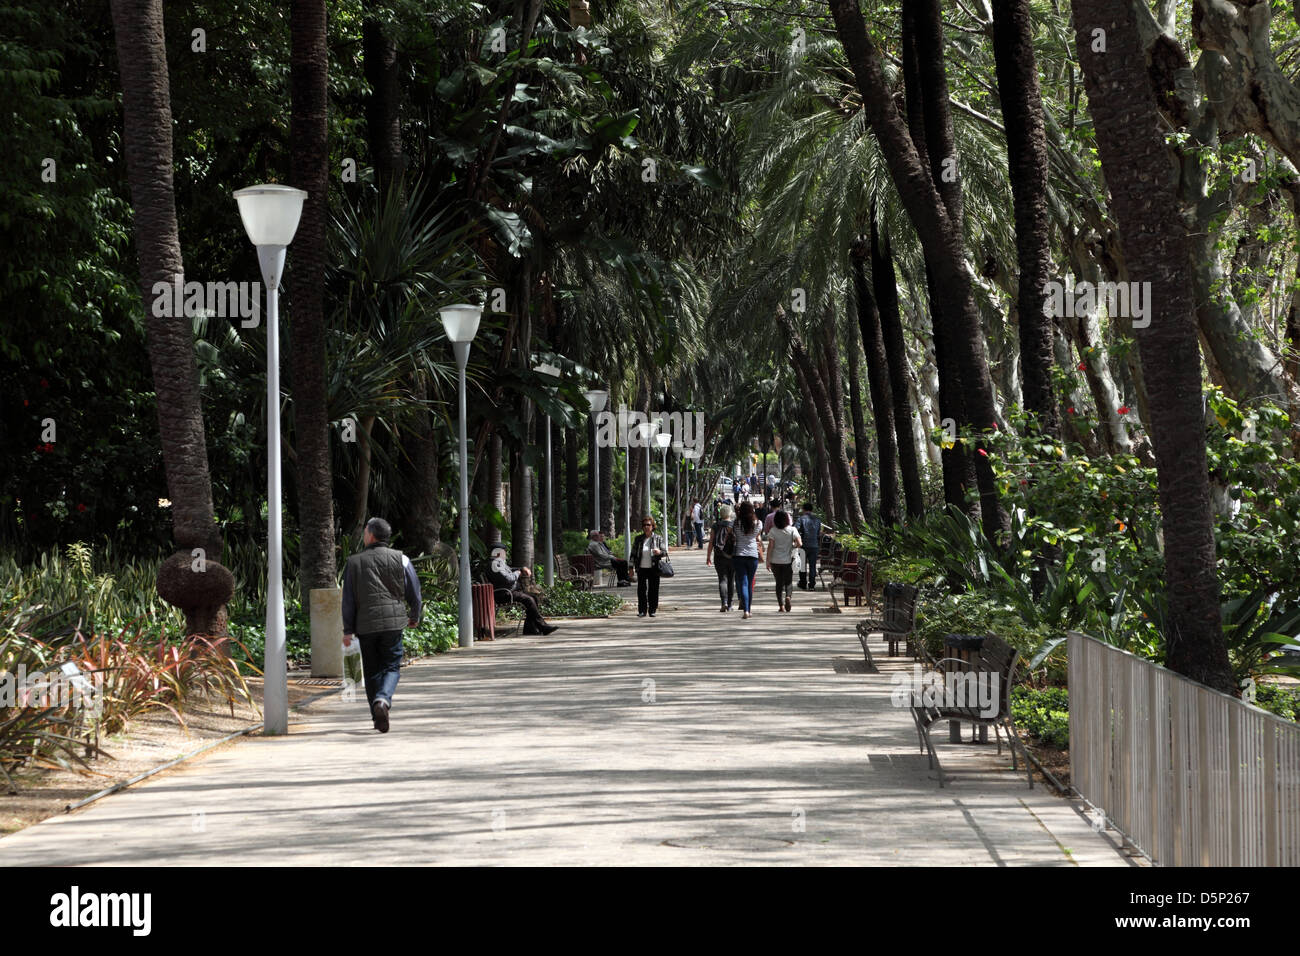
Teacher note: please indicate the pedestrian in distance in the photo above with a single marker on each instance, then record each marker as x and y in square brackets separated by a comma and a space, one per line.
[747, 553]
[781, 544]
[697, 522]
[688, 528]
[722, 544]
[381, 596]
[809, 527]
[647, 550]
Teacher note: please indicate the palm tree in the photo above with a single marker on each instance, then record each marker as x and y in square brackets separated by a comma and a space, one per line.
[1145, 204]
[200, 588]
[1022, 114]
[309, 120]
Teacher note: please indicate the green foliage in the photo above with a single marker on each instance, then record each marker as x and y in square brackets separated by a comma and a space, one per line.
[982, 613]
[1276, 699]
[564, 600]
[1043, 713]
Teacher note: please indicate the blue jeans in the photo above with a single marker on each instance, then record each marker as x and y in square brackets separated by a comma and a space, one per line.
[699, 534]
[381, 663]
[746, 568]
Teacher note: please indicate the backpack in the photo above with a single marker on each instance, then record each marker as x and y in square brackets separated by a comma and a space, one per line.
[724, 540]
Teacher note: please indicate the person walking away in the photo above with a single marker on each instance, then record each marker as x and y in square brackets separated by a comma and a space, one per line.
[780, 557]
[688, 529]
[604, 558]
[697, 521]
[647, 549]
[379, 586]
[721, 545]
[809, 527]
[748, 552]
[515, 583]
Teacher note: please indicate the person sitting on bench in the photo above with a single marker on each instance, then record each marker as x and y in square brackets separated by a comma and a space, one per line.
[604, 558]
[505, 578]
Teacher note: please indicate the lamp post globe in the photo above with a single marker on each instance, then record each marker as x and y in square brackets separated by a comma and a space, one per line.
[270, 215]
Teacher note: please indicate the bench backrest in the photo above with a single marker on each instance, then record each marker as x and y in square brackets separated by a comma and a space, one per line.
[562, 566]
[900, 606]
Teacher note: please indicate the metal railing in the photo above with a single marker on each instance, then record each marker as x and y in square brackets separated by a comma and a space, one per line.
[1192, 776]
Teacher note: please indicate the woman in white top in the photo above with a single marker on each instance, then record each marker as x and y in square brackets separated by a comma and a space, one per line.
[748, 552]
[781, 542]
[647, 549]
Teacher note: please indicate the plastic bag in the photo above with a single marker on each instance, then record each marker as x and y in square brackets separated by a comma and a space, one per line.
[352, 661]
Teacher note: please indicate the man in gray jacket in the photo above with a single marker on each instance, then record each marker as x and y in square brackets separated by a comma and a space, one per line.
[379, 584]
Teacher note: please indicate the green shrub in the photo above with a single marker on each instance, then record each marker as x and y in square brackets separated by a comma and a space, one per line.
[940, 614]
[1043, 713]
[1283, 701]
[564, 600]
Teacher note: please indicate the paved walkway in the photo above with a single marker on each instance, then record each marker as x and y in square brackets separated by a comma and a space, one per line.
[694, 738]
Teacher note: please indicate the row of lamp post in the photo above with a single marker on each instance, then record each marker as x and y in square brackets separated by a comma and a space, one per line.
[270, 215]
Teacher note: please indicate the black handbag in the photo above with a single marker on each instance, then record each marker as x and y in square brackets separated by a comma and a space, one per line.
[664, 566]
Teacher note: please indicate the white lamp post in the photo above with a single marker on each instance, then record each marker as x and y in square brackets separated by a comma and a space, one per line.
[551, 372]
[596, 399]
[645, 433]
[461, 325]
[270, 215]
[663, 440]
[627, 493]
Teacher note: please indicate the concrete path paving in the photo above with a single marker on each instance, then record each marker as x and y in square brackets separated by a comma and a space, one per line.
[693, 738]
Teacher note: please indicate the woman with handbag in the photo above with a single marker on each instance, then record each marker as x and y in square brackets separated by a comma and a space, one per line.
[648, 550]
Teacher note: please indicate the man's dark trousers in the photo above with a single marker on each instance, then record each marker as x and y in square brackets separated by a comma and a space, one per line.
[809, 574]
[699, 534]
[381, 663]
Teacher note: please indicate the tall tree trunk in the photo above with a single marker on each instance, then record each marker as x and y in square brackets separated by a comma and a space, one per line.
[572, 483]
[819, 457]
[931, 212]
[885, 289]
[361, 495]
[309, 170]
[383, 117]
[861, 442]
[873, 346]
[426, 484]
[1022, 115]
[850, 509]
[1135, 162]
[199, 589]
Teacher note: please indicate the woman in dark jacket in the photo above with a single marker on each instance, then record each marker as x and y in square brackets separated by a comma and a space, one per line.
[647, 549]
[718, 557]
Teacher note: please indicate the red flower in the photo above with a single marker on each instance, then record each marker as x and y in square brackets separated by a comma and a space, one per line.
[81, 507]
[1083, 367]
[1070, 410]
[1023, 481]
[1123, 409]
[983, 452]
[49, 447]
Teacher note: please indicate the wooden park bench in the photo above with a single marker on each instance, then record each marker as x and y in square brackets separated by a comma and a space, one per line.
[993, 666]
[566, 570]
[895, 625]
[843, 569]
